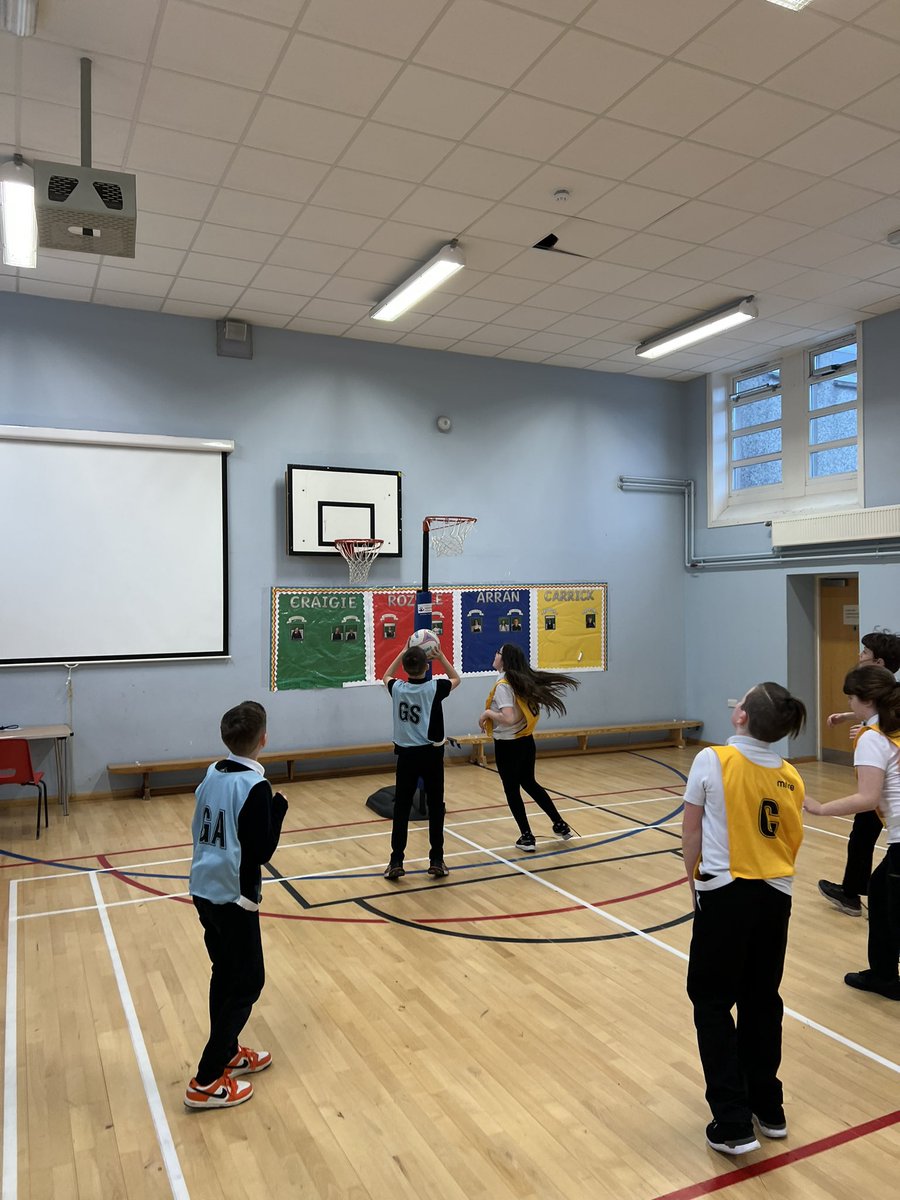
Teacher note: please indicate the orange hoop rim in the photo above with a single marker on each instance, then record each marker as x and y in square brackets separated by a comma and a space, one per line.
[347, 546]
[430, 523]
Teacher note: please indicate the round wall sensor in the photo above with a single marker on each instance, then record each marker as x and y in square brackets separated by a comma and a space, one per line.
[444, 424]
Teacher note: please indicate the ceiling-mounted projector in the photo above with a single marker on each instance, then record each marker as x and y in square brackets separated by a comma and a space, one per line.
[85, 209]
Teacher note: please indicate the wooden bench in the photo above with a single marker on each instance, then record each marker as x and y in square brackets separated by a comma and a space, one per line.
[477, 743]
[290, 758]
[673, 732]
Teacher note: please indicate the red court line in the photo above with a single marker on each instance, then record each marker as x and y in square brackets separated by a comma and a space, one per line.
[708, 1186]
[550, 912]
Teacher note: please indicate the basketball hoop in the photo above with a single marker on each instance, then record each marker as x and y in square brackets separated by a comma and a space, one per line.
[448, 534]
[359, 554]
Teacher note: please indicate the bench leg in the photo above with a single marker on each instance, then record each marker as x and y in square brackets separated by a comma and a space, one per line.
[145, 793]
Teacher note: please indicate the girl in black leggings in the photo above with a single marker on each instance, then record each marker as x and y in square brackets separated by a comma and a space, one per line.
[510, 715]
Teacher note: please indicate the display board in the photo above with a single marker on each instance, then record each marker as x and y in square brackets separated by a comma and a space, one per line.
[341, 637]
[115, 546]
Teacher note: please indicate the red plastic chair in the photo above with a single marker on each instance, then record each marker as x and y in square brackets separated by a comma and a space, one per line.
[15, 767]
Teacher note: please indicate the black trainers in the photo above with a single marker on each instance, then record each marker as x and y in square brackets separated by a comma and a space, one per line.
[438, 869]
[563, 830]
[526, 842]
[843, 901]
[723, 1138]
[867, 982]
[772, 1125]
[394, 870]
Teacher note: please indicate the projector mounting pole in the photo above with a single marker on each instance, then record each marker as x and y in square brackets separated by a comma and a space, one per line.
[85, 112]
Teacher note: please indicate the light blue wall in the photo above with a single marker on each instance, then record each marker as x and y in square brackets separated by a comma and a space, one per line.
[737, 620]
[534, 454]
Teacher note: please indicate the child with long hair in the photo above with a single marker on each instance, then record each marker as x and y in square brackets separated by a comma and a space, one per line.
[510, 715]
[875, 701]
[743, 826]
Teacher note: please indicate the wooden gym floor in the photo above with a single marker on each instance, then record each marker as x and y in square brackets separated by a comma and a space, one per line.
[519, 1030]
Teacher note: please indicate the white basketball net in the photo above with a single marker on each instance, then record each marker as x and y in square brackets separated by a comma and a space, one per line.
[448, 534]
[359, 554]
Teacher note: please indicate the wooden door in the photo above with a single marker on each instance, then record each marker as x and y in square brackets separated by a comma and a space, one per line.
[838, 652]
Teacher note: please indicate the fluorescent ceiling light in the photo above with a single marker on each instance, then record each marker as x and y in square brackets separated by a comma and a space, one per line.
[18, 16]
[445, 263]
[18, 227]
[794, 5]
[699, 331]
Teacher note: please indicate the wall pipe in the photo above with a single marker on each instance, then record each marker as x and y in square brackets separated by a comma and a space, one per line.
[685, 487]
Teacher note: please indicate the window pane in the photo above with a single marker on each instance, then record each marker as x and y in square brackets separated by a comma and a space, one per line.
[835, 357]
[841, 390]
[836, 428]
[753, 382]
[757, 412]
[756, 475]
[754, 445]
[832, 462]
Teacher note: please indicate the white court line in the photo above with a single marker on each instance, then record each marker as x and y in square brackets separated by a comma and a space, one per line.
[154, 1101]
[10, 1066]
[647, 937]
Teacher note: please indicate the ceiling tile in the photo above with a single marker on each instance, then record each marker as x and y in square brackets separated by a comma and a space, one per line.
[117, 279]
[53, 73]
[499, 335]
[529, 318]
[824, 202]
[289, 279]
[585, 71]
[300, 130]
[560, 10]
[602, 277]
[196, 308]
[355, 192]
[676, 99]
[200, 291]
[758, 274]
[697, 221]
[581, 326]
[840, 70]
[657, 287]
[481, 172]
[481, 41]
[171, 196]
[873, 223]
[808, 285]
[235, 243]
[449, 327]
[409, 241]
[397, 153]
[335, 228]
[8, 137]
[331, 76]
[819, 248]
[777, 33]
[278, 303]
[217, 269]
[391, 27]
[881, 106]
[760, 187]
[758, 123]
[433, 206]
[56, 291]
[538, 191]
[563, 298]
[309, 256]
[127, 300]
[613, 149]
[157, 230]
[835, 144]
[217, 45]
[80, 269]
[632, 207]
[242, 312]
[531, 128]
[56, 129]
[265, 214]
[868, 262]
[356, 291]
[655, 25]
[386, 269]
[647, 251]
[705, 263]
[333, 310]
[689, 168]
[880, 171]
[587, 238]
[182, 155]
[435, 103]
[512, 224]
[328, 328]
[506, 288]
[616, 308]
[196, 106]
[551, 343]
[120, 27]
[760, 235]
[537, 264]
[279, 12]
[157, 259]
[274, 174]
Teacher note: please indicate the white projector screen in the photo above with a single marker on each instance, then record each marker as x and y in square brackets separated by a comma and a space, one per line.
[115, 547]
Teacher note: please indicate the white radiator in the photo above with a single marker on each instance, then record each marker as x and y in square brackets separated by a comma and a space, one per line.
[854, 525]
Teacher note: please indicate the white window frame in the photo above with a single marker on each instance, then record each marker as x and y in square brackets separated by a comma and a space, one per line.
[797, 492]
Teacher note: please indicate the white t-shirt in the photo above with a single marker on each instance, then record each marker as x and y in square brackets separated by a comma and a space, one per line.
[875, 750]
[704, 788]
[505, 697]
